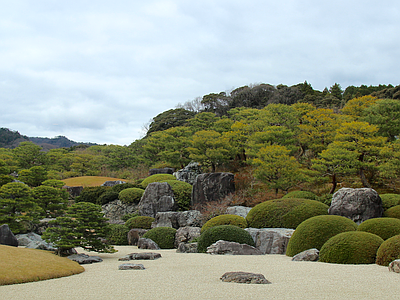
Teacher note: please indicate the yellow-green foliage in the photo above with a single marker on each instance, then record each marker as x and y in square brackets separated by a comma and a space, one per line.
[390, 200]
[383, 227]
[351, 247]
[284, 213]
[131, 195]
[182, 193]
[388, 251]
[157, 178]
[19, 265]
[163, 236]
[88, 180]
[315, 231]
[393, 212]
[142, 222]
[225, 220]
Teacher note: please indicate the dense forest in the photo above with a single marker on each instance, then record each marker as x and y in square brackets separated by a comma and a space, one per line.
[278, 138]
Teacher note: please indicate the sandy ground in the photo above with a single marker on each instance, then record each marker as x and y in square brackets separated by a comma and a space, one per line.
[197, 276]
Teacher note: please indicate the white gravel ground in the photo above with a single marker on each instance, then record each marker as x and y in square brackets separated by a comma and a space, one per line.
[197, 276]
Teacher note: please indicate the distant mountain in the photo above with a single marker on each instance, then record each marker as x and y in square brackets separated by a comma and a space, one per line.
[11, 139]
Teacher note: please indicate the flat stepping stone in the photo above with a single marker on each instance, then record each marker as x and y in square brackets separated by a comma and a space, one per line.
[128, 266]
[244, 277]
[141, 256]
[84, 259]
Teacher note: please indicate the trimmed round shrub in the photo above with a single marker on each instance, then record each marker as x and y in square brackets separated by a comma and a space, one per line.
[301, 195]
[351, 247]
[390, 200]
[107, 197]
[225, 220]
[157, 178]
[383, 227]
[91, 194]
[228, 233]
[131, 195]
[284, 213]
[163, 236]
[393, 212]
[315, 231]
[119, 187]
[117, 234]
[142, 222]
[182, 193]
[388, 251]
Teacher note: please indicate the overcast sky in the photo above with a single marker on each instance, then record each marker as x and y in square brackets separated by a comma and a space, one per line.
[97, 71]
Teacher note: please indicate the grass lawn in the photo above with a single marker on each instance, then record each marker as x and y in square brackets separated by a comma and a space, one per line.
[19, 265]
[89, 180]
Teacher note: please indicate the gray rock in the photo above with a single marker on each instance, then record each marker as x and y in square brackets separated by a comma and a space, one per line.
[7, 237]
[187, 248]
[43, 225]
[394, 266]
[238, 210]
[161, 171]
[128, 266]
[189, 173]
[244, 277]
[83, 259]
[134, 235]
[186, 234]
[144, 243]
[158, 197]
[307, 255]
[232, 248]
[356, 204]
[116, 209]
[125, 258]
[34, 241]
[271, 240]
[145, 256]
[177, 219]
[212, 187]
[112, 183]
[74, 191]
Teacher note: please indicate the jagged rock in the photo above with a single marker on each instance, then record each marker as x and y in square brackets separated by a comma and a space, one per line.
[83, 259]
[186, 234]
[212, 187]
[394, 266]
[232, 248]
[244, 277]
[131, 267]
[189, 173]
[271, 240]
[177, 219]
[238, 210]
[158, 197]
[187, 248]
[74, 191]
[7, 237]
[112, 183]
[161, 171]
[116, 209]
[134, 235]
[34, 241]
[307, 255]
[356, 204]
[144, 243]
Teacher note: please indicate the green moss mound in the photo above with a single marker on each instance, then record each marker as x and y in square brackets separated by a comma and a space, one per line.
[228, 233]
[315, 231]
[107, 197]
[182, 193]
[117, 234]
[393, 212]
[284, 213]
[388, 251]
[163, 236]
[390, 200]
[225, 220]
[119, 187]
[131, 195]
[383, 227]
[301, 195]
[157, 178]
[142, 222]
[91, 194]
[351, 247]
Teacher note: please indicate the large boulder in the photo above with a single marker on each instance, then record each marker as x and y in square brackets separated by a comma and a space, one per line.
[134, 235]
[7, 237]
[186, 234]
[158, 197]
[161, 171]
[238, 210]
[177, 219]
[212, 187]
[116, 209]
[112, 183]
[307, 255]
[232, 248]
[189, 173]
[271, 240]
[356, 204]
[34, 241]
[187, 248]
[144, 243]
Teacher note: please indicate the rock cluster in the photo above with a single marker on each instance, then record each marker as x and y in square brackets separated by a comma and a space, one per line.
[34, 241]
